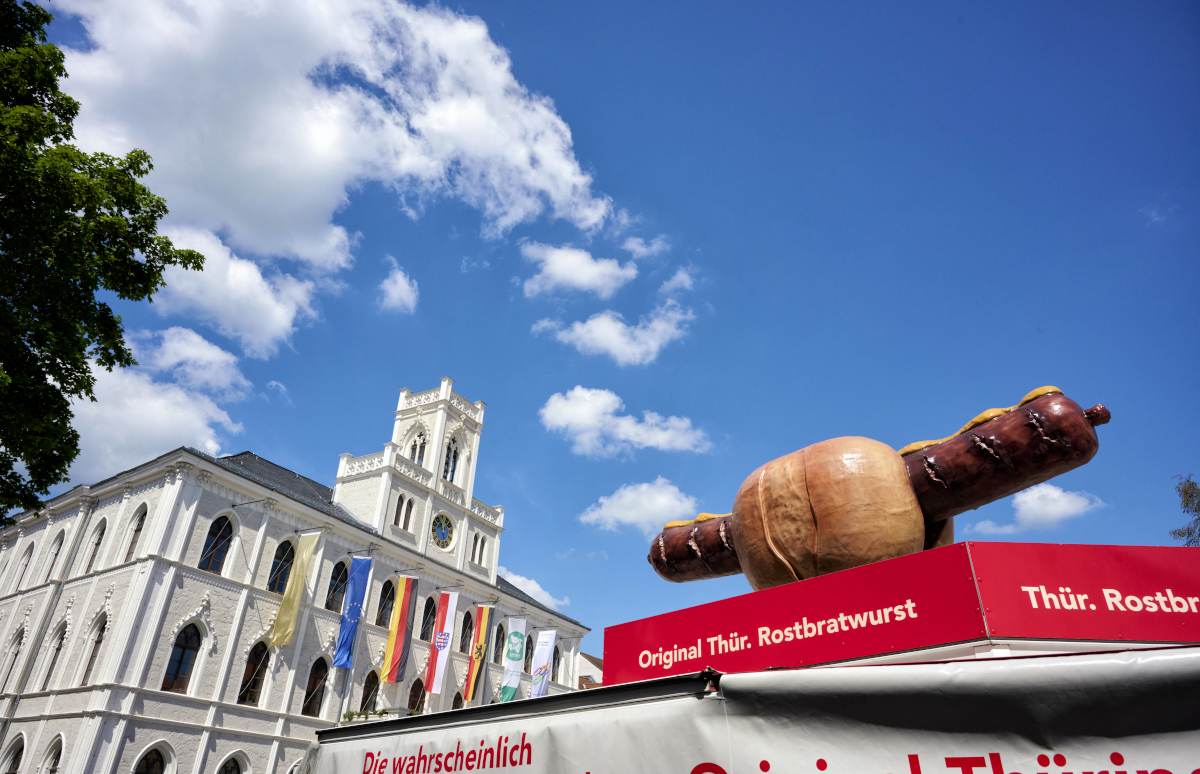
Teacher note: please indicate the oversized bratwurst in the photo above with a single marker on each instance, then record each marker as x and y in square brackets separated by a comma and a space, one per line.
[851, 501]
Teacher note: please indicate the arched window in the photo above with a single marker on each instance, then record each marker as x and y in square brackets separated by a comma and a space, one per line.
[475, 548]
[14, 653]
[25, 559]
[399, 512]
[231, 766]
[54, 654]
[529, 655]
[183, 658]
[451, 463]
[281, 567]
[499, 645]
[337, 587]
[140, 521]
[315, 690]
[482, 546]
[216, 545]
[97, 539]
[151, 763]
[55, 550]
[407, 525]
[53, 757]
[468, 631]
[387, 600]
[416, 452]
[12, 762]
[97, 641]
[370, 693]
[256, 671]
[428, 619]
[416, 697]
[555, 664]
[458, 701]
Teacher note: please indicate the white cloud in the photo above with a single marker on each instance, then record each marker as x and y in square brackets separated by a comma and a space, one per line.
[589, 418]
[570, 268]
[640, 248]
[135, 419]
[645, 506]
[282, 389]
[195, 363]
[681, 280]
[234, 296]
[533, 589]
[398, 290]
[261, 117]
[607, 333]
[1044, 506]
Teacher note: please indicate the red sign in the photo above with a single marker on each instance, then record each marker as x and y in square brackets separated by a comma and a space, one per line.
[959, 593]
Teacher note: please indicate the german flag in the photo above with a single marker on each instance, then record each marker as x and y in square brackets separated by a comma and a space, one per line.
[479, 650]
[399, 644]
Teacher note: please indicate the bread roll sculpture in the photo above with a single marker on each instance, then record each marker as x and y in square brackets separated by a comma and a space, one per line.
[851, 501]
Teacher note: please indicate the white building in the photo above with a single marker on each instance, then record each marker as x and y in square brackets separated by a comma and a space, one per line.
[134, 613]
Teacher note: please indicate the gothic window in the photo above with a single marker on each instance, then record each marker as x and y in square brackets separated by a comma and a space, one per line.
[25, 559]
[256, 672]
[54, 552]
[97, 641]
[451, 463]
[137, 533]
[216, 545]
[399, 511]
[529, 654]
[407, 525]
[387, 600]
[555, 664]
[12, 764]
[231, 767]
[337, 587]
[458, 701]
[370, 693]
[97, 539]
[14, 654]
[416, 452]
[54, 654]
[499, 645]
[315, 690]
[183, 658]
[428, 620]
[281, 567]
[416, 697]
[151, 763]
[53, 758]
[475, 548]
[468, 631]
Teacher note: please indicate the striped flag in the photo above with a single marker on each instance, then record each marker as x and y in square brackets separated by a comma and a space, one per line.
[399, 645]
[479, 649]
[443, 633]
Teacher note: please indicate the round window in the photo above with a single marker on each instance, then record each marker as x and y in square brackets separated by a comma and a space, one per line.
[443, 531]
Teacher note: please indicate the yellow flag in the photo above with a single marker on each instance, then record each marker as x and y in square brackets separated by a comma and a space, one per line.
[285, 619]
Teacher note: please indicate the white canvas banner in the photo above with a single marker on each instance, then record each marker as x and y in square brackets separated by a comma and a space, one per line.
[514, 659]
[542, 654]
[1132, 711]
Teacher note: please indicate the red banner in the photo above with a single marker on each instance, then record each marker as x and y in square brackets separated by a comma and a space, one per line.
[960, 593]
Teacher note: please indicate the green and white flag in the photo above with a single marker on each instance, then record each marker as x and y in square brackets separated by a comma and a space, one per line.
[541, 662]
[514, 659]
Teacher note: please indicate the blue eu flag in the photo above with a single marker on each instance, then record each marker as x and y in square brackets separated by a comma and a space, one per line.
[352, 611]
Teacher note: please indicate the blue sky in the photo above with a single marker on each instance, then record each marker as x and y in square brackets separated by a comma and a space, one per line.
[847, 219]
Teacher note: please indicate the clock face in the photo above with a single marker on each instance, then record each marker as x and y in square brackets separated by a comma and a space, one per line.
[443, 531]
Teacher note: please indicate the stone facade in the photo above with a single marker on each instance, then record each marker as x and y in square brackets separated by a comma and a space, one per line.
[96, 589]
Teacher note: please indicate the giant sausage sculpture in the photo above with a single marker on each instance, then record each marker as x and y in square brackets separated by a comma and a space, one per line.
[851, 501]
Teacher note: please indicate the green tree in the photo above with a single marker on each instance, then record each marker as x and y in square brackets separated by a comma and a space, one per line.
[1189, 501]
[71, 224]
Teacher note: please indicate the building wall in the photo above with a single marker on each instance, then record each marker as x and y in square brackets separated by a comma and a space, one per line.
[144, 603]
